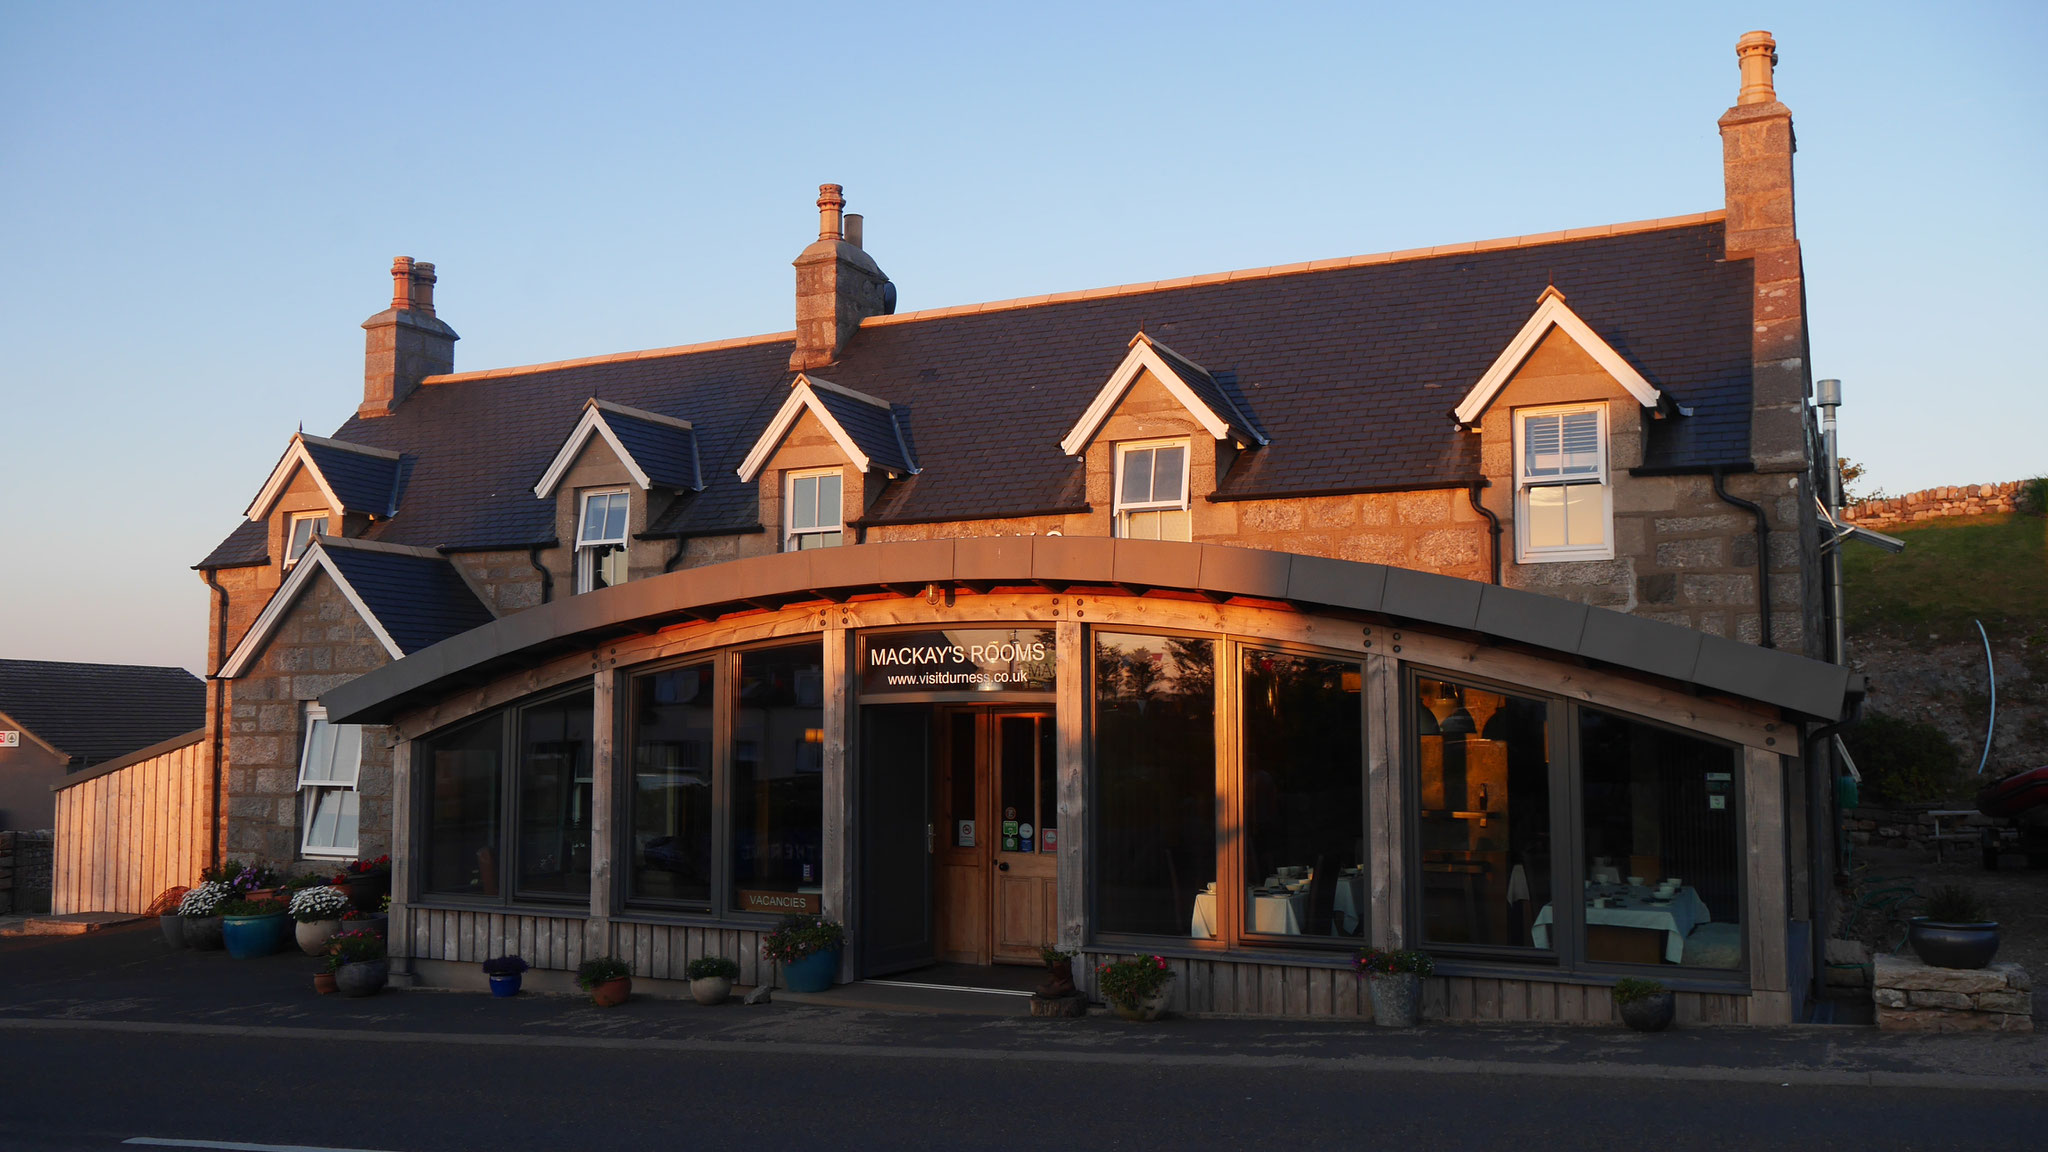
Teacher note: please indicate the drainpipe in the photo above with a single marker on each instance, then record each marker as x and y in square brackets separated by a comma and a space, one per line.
[547, 579]
[1763, 555]
[1492, 521]
[683, 542]
[220, 693]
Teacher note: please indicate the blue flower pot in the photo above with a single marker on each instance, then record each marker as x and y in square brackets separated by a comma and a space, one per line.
[505, 985]
[248, 937]
[813, 973]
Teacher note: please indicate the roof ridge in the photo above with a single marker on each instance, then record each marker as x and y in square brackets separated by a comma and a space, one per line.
[1330, 265]
[609, 358]
[348, 446]
[628, 410]
[358, 544]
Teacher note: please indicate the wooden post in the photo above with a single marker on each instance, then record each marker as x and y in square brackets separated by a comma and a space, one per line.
[1386, 816]
[1071, 718]
[1763, 782]
[398, 928]
[840, 831]
[604, 774]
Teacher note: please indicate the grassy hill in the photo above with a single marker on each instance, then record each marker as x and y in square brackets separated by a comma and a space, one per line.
[1989, 568]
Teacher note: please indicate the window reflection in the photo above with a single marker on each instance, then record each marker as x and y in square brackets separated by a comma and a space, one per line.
[1484, 762]
[1304, 801]
[554, 798]
[1155, 788]
[462, 849]
[778, 785]
[670, 789]
[1662, 845]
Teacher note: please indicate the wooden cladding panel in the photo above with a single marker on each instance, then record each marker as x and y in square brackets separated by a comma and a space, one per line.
[125, 837]
[656, 951]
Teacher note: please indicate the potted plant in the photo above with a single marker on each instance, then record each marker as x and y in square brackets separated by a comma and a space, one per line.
[505, 973]
[317, 912]
[1646, 1005]
[354, 919]
[251, 928]
[323, 981]
[1957, 931]
[255, 882]
[358, 962]
[171, 921]
[367, 881]
[711, 978]
[808, 949]
[1393, 977]
[608, 979]
[1135, 986]
[199, 906]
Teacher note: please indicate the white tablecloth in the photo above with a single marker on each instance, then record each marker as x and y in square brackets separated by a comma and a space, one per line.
[1280, 915]
[1349, 902]
[1634, 910]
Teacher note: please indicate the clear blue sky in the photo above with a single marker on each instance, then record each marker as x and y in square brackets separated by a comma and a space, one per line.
[202, 200]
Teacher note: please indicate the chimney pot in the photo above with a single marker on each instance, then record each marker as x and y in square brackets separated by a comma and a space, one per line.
[831, 202]
[854, 221]
[1758, 54]
[401, 282]
[423, 287]
[405, 343]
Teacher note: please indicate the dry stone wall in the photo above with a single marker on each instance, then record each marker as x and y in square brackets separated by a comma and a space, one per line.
[1936, 503]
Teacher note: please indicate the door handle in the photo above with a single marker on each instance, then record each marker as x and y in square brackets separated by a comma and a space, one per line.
[928, 839]
[1002, 865]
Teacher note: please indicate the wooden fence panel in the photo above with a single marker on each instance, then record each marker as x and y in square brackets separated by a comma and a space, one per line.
[126, 835]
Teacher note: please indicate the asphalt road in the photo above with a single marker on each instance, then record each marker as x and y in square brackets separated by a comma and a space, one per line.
[90, 1086]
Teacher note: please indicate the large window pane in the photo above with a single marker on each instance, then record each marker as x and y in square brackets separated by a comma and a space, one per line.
[1663, 845]
[1484, 761]
[778, 786]
[463, 848]
[670, 790]
[1304, 798]
[1155, 781]
[554, 798]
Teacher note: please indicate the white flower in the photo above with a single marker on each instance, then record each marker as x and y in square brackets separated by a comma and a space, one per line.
[323, 903]
[202, 900]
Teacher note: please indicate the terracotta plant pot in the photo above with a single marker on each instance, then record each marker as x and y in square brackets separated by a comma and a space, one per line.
[612, 993]
[323, 983]
[363, 978]
[1396, 999]
[709, 990]
[313, 935]
[1650, 1013]
[202, 933]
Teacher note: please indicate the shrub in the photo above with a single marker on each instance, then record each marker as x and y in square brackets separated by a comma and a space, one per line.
[800, 936]
[204, 900]
[602, 970]
[1630, 989]
[1902, 761]
[707, 967]
[1132, 979]
[2032, 498]
[505, 966]
[1052, 954]
[321, 903]
[1392, 961]
[354, 948]
[1955, 904]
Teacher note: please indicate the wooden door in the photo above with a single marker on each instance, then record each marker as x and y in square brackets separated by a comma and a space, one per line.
[960, 860]
[1024, 897]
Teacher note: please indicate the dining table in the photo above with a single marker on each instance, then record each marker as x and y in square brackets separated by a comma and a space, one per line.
[1280, 912]
[1636, 906]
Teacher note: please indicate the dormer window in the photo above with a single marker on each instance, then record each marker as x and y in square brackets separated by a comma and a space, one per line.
[1564, 506]
[1152, 490]
[601, 541]
[813, 518]
[304, 526]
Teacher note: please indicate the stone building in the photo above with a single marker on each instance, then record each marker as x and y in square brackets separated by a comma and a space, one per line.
[1245, 618]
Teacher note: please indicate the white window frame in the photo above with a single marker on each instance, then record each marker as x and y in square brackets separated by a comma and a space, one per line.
[340, 762]
[790, 532]
[1525, 551]
[587, 547]
[292, 548]
[1124, 508]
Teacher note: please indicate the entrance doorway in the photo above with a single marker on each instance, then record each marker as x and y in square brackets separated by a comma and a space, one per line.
[961, 834]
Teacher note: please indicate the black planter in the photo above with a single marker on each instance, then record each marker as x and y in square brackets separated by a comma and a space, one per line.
[366, 890]
[1651, 1013]
[1943, 945]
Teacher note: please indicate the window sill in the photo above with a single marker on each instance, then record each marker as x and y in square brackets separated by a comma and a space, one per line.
[1589, 554]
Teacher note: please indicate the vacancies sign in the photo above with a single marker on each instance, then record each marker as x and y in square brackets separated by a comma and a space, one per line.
[958, 660]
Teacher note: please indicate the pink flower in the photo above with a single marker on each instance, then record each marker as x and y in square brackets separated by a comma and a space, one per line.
[1161, 960]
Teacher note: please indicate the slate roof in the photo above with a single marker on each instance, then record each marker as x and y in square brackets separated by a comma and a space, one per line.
[364, 483]
[872, 427]
[97, 712]
[1352, 372]
[1208, 387]
[667, 454]
[419, 600]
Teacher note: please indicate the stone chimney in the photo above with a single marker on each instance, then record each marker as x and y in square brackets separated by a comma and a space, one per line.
[1756, 166]
[837, 286]
[405, 343]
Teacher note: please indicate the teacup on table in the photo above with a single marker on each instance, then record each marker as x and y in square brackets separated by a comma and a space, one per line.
[1635, 881]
